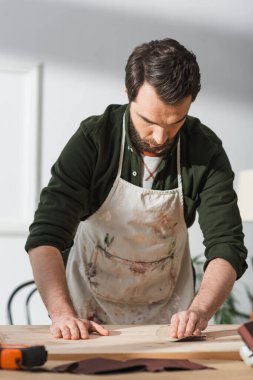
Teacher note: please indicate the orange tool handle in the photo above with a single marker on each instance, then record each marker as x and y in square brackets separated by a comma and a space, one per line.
[10, 358]
[21, 357]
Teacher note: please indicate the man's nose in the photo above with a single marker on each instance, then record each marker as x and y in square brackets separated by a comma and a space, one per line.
[160, 135]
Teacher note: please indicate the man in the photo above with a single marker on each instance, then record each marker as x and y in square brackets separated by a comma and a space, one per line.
[123, 193]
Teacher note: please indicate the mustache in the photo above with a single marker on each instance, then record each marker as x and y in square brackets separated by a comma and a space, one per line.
[155, 144]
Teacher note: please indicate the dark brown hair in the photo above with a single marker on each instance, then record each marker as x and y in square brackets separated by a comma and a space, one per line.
[167, 66]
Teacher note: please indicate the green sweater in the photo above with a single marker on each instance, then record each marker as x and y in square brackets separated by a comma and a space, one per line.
[86, 169]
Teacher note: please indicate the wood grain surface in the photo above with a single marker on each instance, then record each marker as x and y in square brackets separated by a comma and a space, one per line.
[150, 341]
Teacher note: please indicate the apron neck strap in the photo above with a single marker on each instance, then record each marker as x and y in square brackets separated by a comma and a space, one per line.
[121, 155]
[179, 175]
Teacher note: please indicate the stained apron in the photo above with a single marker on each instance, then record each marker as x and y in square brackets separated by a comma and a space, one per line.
[130, 262]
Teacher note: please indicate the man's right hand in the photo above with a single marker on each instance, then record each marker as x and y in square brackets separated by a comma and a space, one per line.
[73, 328]
[50, 277]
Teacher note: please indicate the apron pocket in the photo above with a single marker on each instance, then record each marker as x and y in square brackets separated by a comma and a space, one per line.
[133, 282]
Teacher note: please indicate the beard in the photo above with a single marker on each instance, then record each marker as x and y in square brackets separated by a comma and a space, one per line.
[148, 145]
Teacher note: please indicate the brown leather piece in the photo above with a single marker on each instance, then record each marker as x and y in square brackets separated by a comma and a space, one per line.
[109, 366]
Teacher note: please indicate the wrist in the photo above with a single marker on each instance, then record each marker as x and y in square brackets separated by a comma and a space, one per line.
[62, 310]
[201, 311]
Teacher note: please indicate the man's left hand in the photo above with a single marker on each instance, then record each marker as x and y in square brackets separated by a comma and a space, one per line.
[186, 323]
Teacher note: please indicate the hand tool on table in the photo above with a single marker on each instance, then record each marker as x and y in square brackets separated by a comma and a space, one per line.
[21, 356]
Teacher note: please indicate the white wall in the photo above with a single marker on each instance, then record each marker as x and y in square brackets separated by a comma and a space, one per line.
[82, 47]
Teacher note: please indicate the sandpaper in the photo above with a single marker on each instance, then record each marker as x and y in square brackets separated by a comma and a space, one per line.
[163, 334]
[109, 366]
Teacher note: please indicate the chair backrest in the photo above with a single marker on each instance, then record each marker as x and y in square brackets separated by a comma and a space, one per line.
[27, 302]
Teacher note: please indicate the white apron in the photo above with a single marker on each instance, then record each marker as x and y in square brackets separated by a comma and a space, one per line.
[130, 261]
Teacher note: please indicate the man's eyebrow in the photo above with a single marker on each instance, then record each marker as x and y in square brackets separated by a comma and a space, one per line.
[153, 122]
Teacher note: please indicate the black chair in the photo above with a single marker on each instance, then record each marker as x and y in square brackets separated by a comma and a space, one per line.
[27, 303]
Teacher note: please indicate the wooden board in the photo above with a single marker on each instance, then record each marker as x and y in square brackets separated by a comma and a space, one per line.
[131, 341]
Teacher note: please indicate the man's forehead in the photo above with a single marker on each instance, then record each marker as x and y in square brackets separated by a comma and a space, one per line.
[160, 112]
[154, 121]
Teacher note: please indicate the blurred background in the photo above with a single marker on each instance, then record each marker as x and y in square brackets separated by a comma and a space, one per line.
[63, 60]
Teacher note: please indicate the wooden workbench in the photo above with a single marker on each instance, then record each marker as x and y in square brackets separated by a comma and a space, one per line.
[124, 342]
[220, 350]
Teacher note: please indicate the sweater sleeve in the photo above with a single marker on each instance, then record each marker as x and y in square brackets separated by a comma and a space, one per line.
[219, 216]
[65, 201]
